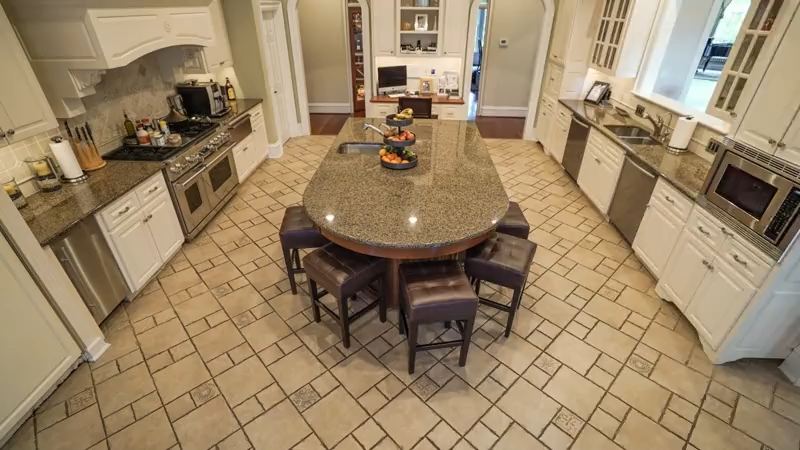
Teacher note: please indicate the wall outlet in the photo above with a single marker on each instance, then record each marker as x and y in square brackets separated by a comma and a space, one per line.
[503, 43]
[640, 110]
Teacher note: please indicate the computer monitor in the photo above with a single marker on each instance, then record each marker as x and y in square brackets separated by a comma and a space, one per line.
[392, 80]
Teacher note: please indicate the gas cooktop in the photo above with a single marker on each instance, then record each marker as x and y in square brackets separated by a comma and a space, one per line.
[191, 132]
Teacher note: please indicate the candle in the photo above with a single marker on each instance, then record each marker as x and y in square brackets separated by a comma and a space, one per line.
[42, 168]
[10, 188]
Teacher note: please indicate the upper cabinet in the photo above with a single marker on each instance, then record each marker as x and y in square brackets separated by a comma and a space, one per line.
[456, 20]
[383, 27]
[562, 28]
[218, 55]
[770, 122]
[24, 111]
[622, 31]
[70, 47]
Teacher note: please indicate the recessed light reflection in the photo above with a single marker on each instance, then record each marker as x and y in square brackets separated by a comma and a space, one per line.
[329, 217]
[494, 221]
[412, 220]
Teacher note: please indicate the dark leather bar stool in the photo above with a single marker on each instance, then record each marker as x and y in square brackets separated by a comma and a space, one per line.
[297, 231]
[514, 222]
[343, 273]
[505, 260]
[435, 291]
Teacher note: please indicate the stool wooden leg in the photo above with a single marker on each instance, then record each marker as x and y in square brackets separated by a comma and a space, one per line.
[478, 287]
[312, 288]
[412, 346]
[512, 310]
[344, 321]
[287, 258]
[296, 254]
[466, 336]
[382, 301]
[401, 320]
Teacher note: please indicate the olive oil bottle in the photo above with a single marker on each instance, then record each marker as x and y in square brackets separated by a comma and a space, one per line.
[229, 89]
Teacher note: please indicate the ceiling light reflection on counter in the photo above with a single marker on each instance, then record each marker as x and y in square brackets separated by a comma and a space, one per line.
[412, 220]
[329, 217]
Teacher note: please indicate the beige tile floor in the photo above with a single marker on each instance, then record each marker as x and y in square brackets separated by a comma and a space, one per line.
[217, 354]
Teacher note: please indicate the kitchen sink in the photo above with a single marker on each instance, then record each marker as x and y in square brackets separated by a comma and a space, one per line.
[360, 148]
[639, 140]
[631, 134]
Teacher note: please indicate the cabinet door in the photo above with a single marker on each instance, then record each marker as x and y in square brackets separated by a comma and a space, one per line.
[719, 301]
[161, 218]
[383, 27]
[543, 124]
[240, 158]
[789, 146]
[588, 177]
[219, 54]
[136, 251]
[656, 237]
[560, 132]
[190, 26]
[610, 34]
[125, 34]
[455, 28]
[260, 144]
[562, 28]
[686, 268]
[777, 99]
[756, 41]
[24, 110]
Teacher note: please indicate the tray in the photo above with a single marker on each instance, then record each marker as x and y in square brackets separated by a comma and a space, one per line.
[397, 144]
[398, 123]
[395, 166]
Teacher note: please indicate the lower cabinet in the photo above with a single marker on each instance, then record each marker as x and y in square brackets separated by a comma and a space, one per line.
[149, 235]
[656, 237]
[600, 169]
[685, 270]
[244, 155]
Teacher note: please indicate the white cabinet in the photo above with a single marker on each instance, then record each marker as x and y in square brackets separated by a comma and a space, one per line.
[143, 230]
[758, 39]
[685, 270]
[545, 122]
[600, 170]
[559, 131]
[790, 150]
[383, 27]
[456, 21]
[661, 225]
[160, 215]
[246, 157]
[218, 55]
[621, 36]
[24, 110]
[562, 27]
[719, 301]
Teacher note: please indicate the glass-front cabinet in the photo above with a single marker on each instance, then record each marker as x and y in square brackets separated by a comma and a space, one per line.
[356, 40]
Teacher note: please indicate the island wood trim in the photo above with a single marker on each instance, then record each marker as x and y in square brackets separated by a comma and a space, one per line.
[435, 99]
[407, 253]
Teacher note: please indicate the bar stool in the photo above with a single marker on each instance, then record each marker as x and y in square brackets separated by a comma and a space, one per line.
[342, 273]
[435, 291]
[514, 222]
[504, 260]
[297, 231]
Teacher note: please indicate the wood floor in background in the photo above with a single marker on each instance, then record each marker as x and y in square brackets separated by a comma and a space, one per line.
[327, 123]
[500, 127]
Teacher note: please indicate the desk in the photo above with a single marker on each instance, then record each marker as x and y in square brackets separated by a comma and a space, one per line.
[435, 99]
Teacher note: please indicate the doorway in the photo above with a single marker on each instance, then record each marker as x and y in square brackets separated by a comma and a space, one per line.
[279, 72]
[355, 39]
[481, 24]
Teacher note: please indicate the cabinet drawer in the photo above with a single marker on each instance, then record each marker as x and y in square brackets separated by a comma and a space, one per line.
[672, 200]
[256, 113]
[384, 110]
[119, 211]
[450, 113]
[751, 265]
[706, 228]
[151, 188]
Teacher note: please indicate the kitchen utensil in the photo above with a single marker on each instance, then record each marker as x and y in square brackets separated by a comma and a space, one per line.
[71, 171]
[92, 154]
[682, 135]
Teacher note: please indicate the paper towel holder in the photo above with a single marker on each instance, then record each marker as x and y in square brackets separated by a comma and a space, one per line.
[60, 172]
[676, 150]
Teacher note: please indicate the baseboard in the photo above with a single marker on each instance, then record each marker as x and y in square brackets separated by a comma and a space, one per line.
[329, 108]
[96, 349]
[504, 111]
[275, 150]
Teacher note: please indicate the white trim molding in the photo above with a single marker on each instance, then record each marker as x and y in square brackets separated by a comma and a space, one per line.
[538, 71]
[299, 80]
[504, 111]
[329, 108]
[275, 150]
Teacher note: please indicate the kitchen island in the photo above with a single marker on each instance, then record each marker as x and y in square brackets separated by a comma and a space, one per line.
[450, 202]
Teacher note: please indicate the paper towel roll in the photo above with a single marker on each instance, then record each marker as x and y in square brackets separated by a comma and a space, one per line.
[683, 132]
[66, 159]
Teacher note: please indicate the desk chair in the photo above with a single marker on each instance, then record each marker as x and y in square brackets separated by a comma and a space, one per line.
[422, 106]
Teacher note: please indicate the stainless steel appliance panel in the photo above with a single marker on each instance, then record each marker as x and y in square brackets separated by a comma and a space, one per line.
[88, 261]
[635, 186]
[240, 129]
[201, 99]
[576, 145]
[220, 174]
[193, 198]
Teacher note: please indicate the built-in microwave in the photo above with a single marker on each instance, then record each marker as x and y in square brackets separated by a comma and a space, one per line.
[758, 190]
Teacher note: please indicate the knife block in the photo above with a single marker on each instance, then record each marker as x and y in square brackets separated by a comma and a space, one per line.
[88, 156]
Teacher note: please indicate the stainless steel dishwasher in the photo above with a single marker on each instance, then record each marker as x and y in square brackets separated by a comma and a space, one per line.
[87, 259]
[576, 145]
[636, 184]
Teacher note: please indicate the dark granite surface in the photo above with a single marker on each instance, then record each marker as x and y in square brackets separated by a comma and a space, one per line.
[686, 172]
[50, 215]
[238, 107]
[453, 194]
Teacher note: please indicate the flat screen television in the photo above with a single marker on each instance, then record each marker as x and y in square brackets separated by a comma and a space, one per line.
[392, 80]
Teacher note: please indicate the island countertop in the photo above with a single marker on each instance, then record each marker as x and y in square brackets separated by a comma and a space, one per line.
[687, 172]
[453, 194]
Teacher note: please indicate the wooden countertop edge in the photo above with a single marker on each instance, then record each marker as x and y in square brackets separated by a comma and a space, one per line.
[434, 98]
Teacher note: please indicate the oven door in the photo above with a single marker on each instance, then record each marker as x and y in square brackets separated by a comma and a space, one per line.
[194, 201]
[747, 191]
[220, 174]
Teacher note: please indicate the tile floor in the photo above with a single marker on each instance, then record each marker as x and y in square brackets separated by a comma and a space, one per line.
[217, 354]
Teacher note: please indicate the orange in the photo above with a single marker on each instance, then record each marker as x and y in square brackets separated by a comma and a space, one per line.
[404, 161]
[382, 152]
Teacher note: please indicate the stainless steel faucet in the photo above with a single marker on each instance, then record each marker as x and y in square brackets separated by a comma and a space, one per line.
[373, 128]
[660, 127]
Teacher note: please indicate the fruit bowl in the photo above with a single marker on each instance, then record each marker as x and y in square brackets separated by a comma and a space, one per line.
[398, 123]
[406, 143]
[392, 157]
[400, 166]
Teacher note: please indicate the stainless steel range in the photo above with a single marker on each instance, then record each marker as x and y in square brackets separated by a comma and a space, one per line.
[202, 173]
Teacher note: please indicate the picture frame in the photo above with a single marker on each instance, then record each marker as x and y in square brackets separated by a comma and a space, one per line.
[420, 22]
[427, 86]
[598, 93]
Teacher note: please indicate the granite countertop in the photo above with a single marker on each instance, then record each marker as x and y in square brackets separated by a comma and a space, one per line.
[238, 107]
[50, 215]
[452, 195]
[686, 172]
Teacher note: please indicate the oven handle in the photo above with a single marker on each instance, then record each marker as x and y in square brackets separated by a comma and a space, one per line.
[199, 172]
[239, 121]
[220, 154]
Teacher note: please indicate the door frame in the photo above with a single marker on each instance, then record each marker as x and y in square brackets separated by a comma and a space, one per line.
[485, 58]
[299, 75]
[529, 132]
[346, 18]
[295, 128]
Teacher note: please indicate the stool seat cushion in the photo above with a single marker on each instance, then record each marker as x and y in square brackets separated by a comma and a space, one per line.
[342, 272]
[502, 259]
[514, 222]
[434, 291]
[298, 231]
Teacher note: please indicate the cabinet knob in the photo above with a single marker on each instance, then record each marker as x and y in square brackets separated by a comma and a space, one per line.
[772, 141]
[703, 230]
[10, 132]
[669, 199]
[726, 232]
[733, 114]
[2, 134]
[781, 144]
[597, 160]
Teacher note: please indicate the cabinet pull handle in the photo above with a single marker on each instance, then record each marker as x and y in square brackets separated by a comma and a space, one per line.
[781, 144]
[705, 263]
[733, 114]
[772, 141]
[2, 134]
[703, 230]
[669, 199]
[152, 190]
[127, 208]
[708, 265]
[597, 160]
[10, 132]
[726, 232]
[147, 219]
[739, 260]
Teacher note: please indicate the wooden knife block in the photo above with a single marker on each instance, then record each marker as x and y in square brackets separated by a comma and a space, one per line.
[88, 156]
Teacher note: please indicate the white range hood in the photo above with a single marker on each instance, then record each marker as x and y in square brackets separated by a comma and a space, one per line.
[72, 43]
